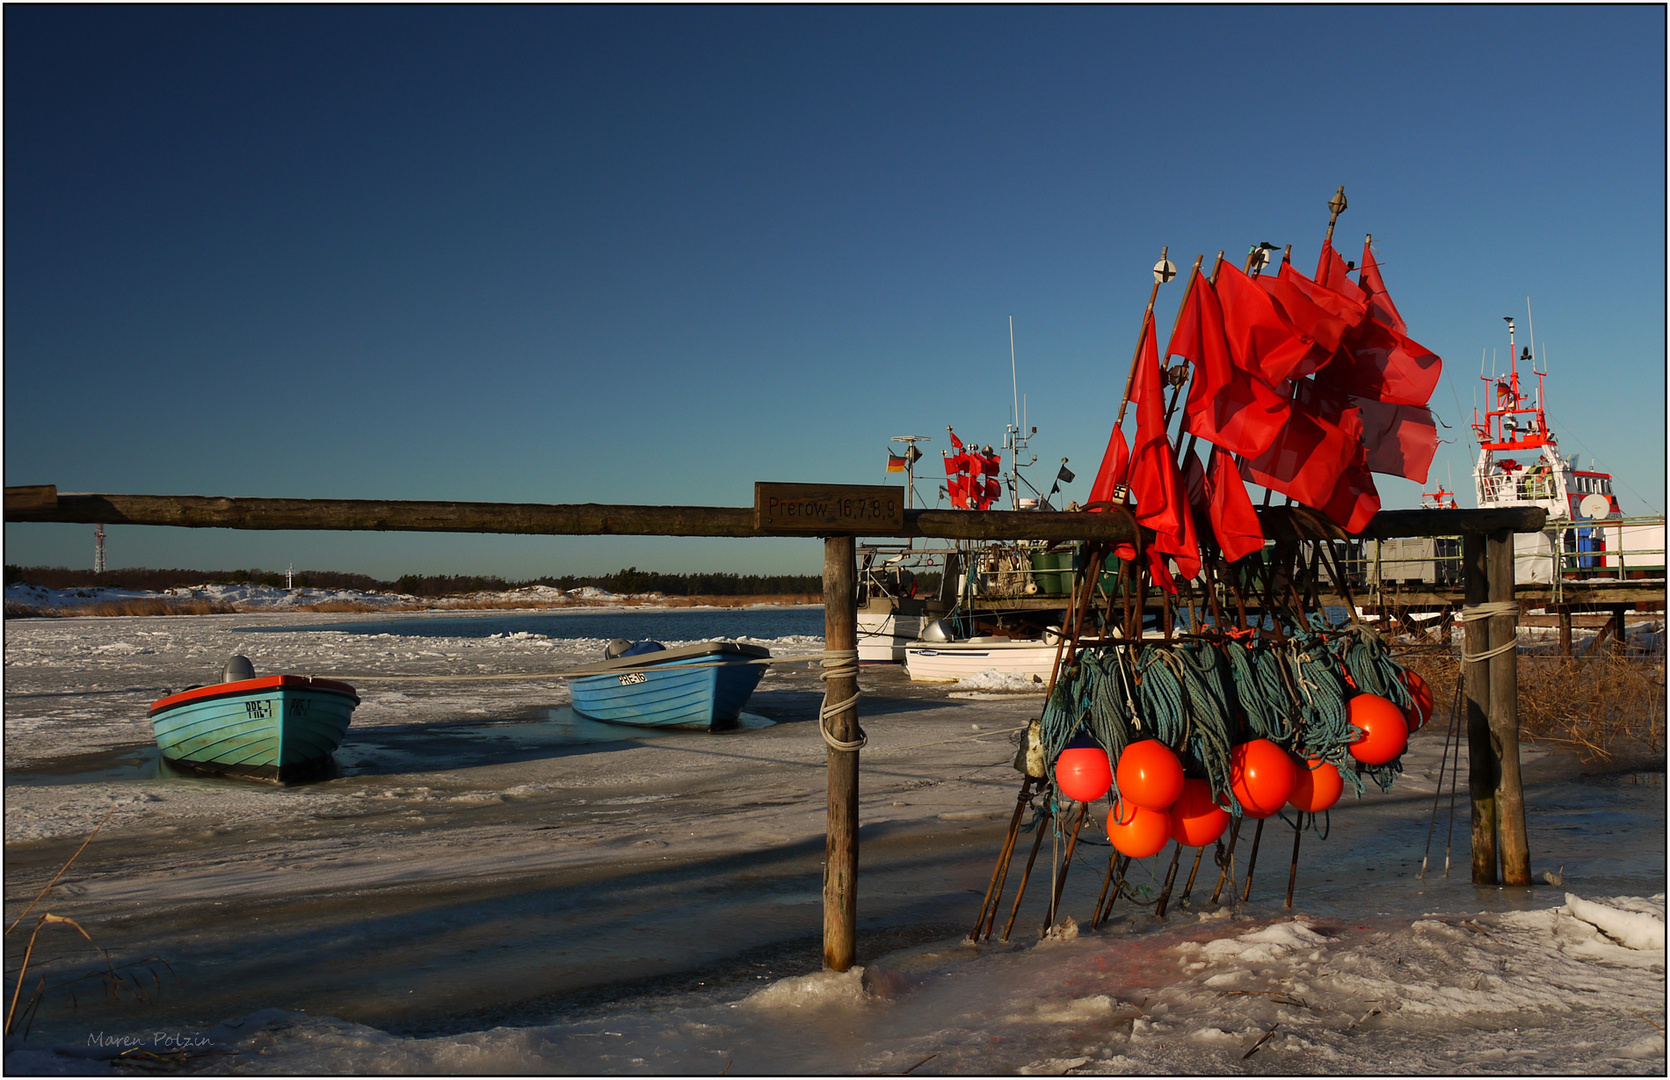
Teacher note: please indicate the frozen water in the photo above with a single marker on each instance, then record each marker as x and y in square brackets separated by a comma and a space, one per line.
[488, 887]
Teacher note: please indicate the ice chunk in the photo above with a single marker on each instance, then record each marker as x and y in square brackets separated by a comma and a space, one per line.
[1634, 929]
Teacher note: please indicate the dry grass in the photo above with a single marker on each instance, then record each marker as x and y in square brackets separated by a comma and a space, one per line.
[1608, 709]
[146, 605]
[135, 979]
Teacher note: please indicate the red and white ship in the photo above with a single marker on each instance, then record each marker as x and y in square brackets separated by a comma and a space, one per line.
[1520, 464]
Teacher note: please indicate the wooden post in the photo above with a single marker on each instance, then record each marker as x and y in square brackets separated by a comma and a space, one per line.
[1481, 773]
[840, 871]
[1565, 632]
[1504, 717]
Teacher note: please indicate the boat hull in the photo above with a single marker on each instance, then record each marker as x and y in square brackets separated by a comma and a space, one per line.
[283, 727]
[954, 660]
[883, 635]
[704, 688]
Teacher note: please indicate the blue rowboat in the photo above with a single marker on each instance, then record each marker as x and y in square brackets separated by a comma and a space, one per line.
[703, 685]
[278, 728]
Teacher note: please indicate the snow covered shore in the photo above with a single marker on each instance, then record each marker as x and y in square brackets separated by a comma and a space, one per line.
[22, 597]
[488, 888]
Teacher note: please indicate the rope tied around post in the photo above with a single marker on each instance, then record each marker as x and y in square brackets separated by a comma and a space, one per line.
[839, 664]
[1476, 612]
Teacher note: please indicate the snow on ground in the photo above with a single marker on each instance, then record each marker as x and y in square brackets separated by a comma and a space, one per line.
[267, 597]
[435, 909]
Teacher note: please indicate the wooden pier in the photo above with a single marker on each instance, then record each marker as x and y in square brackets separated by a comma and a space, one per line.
[838, 514]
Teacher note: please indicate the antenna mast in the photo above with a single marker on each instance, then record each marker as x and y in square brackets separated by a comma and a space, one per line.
[98, 550]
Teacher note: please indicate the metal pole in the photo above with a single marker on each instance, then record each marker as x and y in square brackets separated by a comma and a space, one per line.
[840, 872]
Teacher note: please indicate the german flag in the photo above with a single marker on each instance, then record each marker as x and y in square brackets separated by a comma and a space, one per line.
[895, 462]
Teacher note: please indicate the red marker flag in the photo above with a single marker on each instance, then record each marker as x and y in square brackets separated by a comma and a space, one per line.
[1225, 406]
[1261, 342]
[1317, 313]
[1399, 440]
[1379, 360]
[1155, 482]
[1115, 459]
[1312, 459]
[1230, 510]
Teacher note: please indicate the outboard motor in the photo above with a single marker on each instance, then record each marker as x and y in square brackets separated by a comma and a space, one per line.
[238, 669]
[616, 649]
[937, 631]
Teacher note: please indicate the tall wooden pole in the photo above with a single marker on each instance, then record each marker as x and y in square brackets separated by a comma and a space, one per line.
[840, 871]
[1481, 755]
[1504, 715]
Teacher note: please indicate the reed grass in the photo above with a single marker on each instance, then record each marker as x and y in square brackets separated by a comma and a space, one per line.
[139, 605]
[1609, 709]
[115, 979]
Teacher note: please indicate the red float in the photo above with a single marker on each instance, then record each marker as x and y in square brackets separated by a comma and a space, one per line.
[1150, 774]
[1421, 712]
[1195, 819]
[1317, 785]
[1385, 729]
[1083, 773]
[1138, 831]
[1261, 777]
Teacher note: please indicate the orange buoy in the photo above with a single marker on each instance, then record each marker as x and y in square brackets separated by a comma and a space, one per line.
[1421, 711]
[1385, 731]
[1138, 831]
[1083, 773]
[1317, 785]
[1261, 776]
[1150, 774]
[1196, 820]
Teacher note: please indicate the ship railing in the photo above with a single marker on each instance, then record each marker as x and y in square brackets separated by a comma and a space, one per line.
[1523, 484]
[1613, 549]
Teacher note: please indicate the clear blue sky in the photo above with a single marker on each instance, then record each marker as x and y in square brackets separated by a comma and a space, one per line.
[652, 254]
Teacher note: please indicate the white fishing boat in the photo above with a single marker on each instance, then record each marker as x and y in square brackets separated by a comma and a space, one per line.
[953, 661]
[1520, 464]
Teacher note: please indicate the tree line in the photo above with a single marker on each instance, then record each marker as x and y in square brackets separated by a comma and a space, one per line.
[629, 580]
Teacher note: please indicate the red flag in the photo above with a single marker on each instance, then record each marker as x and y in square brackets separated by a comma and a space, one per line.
[1310, 457]
[1194, 482]
[1399, 440]
[1380, 360]
[1261, 342]
[1225, 405]
[1155, 481]
[1331, 273]
[956, 442]
[1355, 500]
[1112, 473]
[1233, 518]
[989, 463]
[1317, 313]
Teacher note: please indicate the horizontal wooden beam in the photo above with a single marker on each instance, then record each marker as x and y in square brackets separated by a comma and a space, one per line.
[45, 504]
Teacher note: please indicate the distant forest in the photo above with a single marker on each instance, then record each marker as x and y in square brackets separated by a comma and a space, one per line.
[630, 580]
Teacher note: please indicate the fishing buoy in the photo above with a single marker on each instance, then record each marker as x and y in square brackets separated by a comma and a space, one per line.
[1261, 776]
[1421, 711]
[1196, 820]
[1150, 774]
[1385, 730]
[1317, 785]
[1138, 831]
[1083, 773]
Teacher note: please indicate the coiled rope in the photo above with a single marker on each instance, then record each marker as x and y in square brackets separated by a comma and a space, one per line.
[839, 664]
[1476, 612]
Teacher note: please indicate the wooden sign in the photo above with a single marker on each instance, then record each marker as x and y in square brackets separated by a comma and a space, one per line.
[824, 509]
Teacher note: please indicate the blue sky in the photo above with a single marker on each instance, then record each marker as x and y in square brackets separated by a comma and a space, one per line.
[652, 255]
